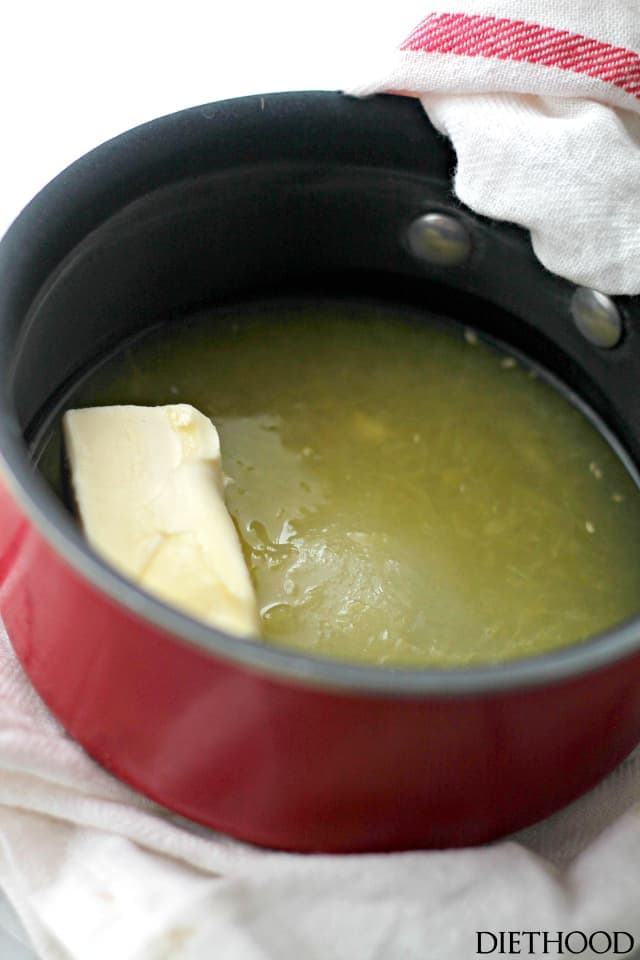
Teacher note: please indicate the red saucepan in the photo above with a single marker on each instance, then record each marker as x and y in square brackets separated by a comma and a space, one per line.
[323, 194]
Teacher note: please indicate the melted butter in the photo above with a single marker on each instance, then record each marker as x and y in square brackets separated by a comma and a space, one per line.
[404, 495]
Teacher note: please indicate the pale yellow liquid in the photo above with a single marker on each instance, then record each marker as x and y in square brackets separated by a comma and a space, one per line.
[404, 495]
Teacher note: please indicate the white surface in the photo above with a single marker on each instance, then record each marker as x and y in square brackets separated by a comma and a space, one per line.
[13, 938]
[73, 73]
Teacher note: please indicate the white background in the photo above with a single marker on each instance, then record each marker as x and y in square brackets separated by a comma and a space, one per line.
[73, 74]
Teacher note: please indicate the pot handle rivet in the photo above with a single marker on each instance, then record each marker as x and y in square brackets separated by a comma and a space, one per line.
[596, 317]
[439, 239]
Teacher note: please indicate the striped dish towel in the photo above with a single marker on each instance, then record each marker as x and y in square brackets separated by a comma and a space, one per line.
[541, 100]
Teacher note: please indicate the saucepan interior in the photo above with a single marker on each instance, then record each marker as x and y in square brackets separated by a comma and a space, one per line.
[310, 195]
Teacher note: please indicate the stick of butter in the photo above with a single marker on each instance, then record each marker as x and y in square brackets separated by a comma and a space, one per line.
[149, 488]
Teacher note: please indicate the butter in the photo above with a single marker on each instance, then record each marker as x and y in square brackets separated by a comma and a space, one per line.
[149, 488]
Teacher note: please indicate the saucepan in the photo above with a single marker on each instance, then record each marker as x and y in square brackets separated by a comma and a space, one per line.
[292, 192]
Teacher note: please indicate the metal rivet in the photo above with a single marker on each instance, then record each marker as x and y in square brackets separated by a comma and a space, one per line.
[596, 317]
[439, 239]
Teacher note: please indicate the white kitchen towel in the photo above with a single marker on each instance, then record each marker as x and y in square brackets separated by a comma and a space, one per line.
[541, 100]
[97, 872]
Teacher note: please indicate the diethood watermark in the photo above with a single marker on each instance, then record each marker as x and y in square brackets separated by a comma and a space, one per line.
[553, 943]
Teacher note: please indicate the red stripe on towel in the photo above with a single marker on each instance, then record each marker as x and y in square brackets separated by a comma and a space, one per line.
[517, 40]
